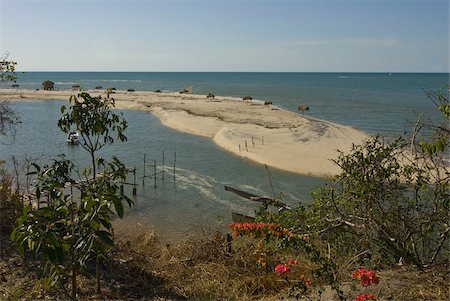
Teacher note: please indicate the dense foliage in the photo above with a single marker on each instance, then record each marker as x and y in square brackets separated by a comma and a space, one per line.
[389, 204]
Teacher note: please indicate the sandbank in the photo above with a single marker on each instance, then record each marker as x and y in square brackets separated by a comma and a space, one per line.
[261, 133]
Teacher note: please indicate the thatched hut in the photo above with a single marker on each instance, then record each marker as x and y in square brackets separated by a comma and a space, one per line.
[187, 90]
[210, 95]
[303, 108]
[48, 85]
[15, 86]
[249, 98]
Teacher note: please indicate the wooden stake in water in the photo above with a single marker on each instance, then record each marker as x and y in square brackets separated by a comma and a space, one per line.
[134, 182]
[143, 177]
[163, 166]
[174, 165]
[154, 172]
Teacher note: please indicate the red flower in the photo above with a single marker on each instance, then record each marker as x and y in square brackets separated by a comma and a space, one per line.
[365, 297]
[308, 282]
[259, 230]
[367, 277]
[281, 269]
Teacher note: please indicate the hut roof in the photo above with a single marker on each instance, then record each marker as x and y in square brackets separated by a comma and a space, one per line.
[48, 82]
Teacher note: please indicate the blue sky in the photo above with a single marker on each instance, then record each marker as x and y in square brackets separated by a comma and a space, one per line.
[227, 35]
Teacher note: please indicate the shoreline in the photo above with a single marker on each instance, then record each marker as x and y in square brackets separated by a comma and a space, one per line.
[261, 133]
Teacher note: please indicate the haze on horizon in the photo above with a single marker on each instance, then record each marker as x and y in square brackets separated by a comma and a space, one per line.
[227, 35]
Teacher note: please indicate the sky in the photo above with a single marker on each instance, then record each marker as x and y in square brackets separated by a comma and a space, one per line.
[227, 35]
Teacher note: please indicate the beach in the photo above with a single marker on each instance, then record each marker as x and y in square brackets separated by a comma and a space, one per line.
[262, 133]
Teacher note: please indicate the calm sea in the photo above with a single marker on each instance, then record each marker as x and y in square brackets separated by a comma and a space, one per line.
[376, 103]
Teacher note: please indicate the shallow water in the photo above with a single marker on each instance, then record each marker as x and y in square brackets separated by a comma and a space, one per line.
[194, 200]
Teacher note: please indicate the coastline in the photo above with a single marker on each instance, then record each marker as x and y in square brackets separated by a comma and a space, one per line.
[249, 129]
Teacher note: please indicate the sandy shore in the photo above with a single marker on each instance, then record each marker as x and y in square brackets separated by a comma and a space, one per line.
[264, 134]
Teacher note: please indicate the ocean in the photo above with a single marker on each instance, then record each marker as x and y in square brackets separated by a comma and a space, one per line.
[195, 200]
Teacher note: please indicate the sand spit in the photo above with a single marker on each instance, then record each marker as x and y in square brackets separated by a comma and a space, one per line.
[250, 129]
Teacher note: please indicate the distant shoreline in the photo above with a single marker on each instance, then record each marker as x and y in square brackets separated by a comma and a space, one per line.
[262, 133]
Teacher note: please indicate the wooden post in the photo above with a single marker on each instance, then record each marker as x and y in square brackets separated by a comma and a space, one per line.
[229, 240]
[239, 147]
[154, 173]
[246, 148]
[134, 182]
[174, 165]
[253, 142]
[163, 166]
[143, 177]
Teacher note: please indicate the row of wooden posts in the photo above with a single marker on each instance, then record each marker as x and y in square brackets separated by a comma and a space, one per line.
[253, 143]
[155, 175]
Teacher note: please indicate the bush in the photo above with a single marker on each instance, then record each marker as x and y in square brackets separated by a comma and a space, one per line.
[389, 204]
[10, 203]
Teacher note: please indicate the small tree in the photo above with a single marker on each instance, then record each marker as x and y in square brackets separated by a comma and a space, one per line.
[93, 118]
[70, 231]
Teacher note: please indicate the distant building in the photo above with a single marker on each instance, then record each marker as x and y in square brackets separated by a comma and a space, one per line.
[48, 85]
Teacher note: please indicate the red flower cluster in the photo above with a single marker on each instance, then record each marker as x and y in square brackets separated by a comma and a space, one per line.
[367, 277]
[365, 297]
[282, 269]
[259, 230]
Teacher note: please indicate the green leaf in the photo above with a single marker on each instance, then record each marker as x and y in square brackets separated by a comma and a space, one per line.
[105, 237]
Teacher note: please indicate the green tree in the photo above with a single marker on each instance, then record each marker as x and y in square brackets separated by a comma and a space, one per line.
[71, 230]
[93, 118]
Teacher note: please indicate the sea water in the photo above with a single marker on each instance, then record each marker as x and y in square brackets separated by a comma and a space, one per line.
[195, 198]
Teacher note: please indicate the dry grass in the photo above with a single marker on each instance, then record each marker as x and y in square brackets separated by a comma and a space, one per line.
[142, 267]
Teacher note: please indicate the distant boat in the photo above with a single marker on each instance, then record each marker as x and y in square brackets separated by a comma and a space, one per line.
[73, 138]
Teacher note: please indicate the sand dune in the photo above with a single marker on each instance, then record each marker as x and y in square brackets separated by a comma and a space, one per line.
[264, 134]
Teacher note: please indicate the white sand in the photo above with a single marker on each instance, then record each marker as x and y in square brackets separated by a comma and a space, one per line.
[276, 137]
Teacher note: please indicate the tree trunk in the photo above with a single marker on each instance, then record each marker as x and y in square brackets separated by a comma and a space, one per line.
[97, 274]
[94, 168]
